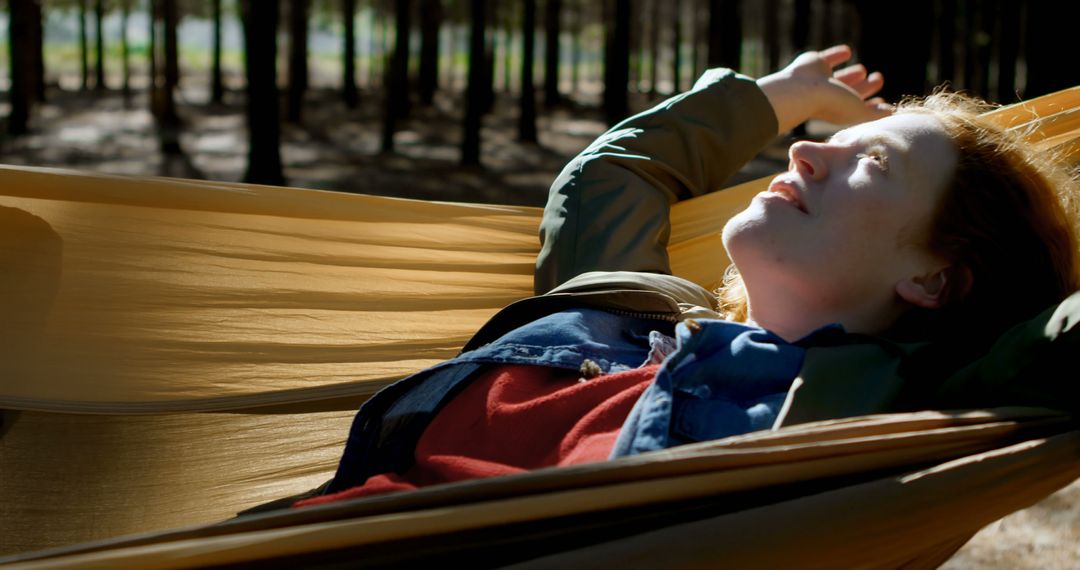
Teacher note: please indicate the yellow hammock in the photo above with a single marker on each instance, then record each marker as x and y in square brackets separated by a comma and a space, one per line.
[174, 352]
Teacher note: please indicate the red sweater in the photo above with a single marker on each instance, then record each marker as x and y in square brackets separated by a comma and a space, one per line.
[514, 418]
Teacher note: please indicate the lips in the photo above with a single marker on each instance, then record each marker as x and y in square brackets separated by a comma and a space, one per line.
[789, 192]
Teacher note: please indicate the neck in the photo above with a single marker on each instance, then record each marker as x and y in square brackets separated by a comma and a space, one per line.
[793, 318]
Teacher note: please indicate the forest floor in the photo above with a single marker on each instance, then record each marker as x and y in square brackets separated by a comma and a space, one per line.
[332, 148]
[338, 149]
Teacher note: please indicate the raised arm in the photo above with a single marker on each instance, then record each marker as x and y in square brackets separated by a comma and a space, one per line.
[608, 209]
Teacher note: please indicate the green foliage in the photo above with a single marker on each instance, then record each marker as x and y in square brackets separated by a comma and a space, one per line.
[110, 5]
[326, 14]
[197, 8]
[61, 4]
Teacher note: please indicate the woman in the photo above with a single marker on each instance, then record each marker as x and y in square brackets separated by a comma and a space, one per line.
[895, 238]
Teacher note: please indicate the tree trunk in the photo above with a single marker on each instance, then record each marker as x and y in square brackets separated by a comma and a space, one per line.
[402, 56]
[676, 62]
[1050, 43]
[1009, 52]
[508, 46]
[171, 18]
[693, 38]
[617, 64]
[430, 22]
[217, 87]
[125, 47]
[470, 146]
[772, 35]
[947, 42]
[637, 51]
[577, 15]
[607, 14]
[385, 54]
[527, 119]
[84, 56]
[349, 91]
[397, 93]
[800, 36]
[263, 121]
[154, 10]
[974, 78]
[984, 50]
[827, 30]
[553, 31]
[37, 48]
[298, 64]
[489, 60]
[20, 52]
[725, 34]
[164, 74]
[654, 49]
[99, 26]
[884, 28]
[697, 38]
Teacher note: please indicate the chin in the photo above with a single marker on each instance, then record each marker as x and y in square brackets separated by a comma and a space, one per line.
[733, 227]
[764, 253]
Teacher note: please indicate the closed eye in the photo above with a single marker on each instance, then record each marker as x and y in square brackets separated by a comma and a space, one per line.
[876, 155]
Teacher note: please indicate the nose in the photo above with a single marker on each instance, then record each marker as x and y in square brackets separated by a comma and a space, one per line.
[807, 158]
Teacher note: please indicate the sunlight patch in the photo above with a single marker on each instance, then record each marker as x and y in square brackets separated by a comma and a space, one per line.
[80, 135]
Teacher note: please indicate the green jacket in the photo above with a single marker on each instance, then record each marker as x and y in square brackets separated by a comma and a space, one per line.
[604, 244]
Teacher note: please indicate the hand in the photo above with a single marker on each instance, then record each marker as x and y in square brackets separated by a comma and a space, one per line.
[808, 88]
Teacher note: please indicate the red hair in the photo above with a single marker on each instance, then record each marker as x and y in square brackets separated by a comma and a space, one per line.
[1005, 225]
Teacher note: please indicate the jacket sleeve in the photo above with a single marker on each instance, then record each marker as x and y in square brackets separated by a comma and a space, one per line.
[608, 209]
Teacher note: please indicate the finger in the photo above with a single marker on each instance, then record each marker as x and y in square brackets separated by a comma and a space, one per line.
[868, 86]
[836, 55]
[874, 82]
[851, 75]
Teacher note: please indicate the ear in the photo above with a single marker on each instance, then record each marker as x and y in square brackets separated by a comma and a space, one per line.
[926, 291]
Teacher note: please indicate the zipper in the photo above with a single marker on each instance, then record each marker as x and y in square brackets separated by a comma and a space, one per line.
[668, 317]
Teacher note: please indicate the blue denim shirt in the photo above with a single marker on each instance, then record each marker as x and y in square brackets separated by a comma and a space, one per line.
[722, 379]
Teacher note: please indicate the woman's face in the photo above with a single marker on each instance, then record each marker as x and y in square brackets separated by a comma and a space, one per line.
[836, 233]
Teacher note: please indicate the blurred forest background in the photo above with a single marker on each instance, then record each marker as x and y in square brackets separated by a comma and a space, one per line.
[476, 100]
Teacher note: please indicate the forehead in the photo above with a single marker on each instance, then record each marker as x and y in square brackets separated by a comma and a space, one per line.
[903, 130]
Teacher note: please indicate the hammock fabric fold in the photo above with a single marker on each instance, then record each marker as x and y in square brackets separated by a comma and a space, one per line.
[807, 489]
[174, 352]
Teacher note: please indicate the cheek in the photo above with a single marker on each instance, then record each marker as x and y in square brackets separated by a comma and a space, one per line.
[866, 212]
[868, 235]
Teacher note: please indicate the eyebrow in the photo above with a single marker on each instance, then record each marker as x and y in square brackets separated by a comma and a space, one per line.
[887, 139]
